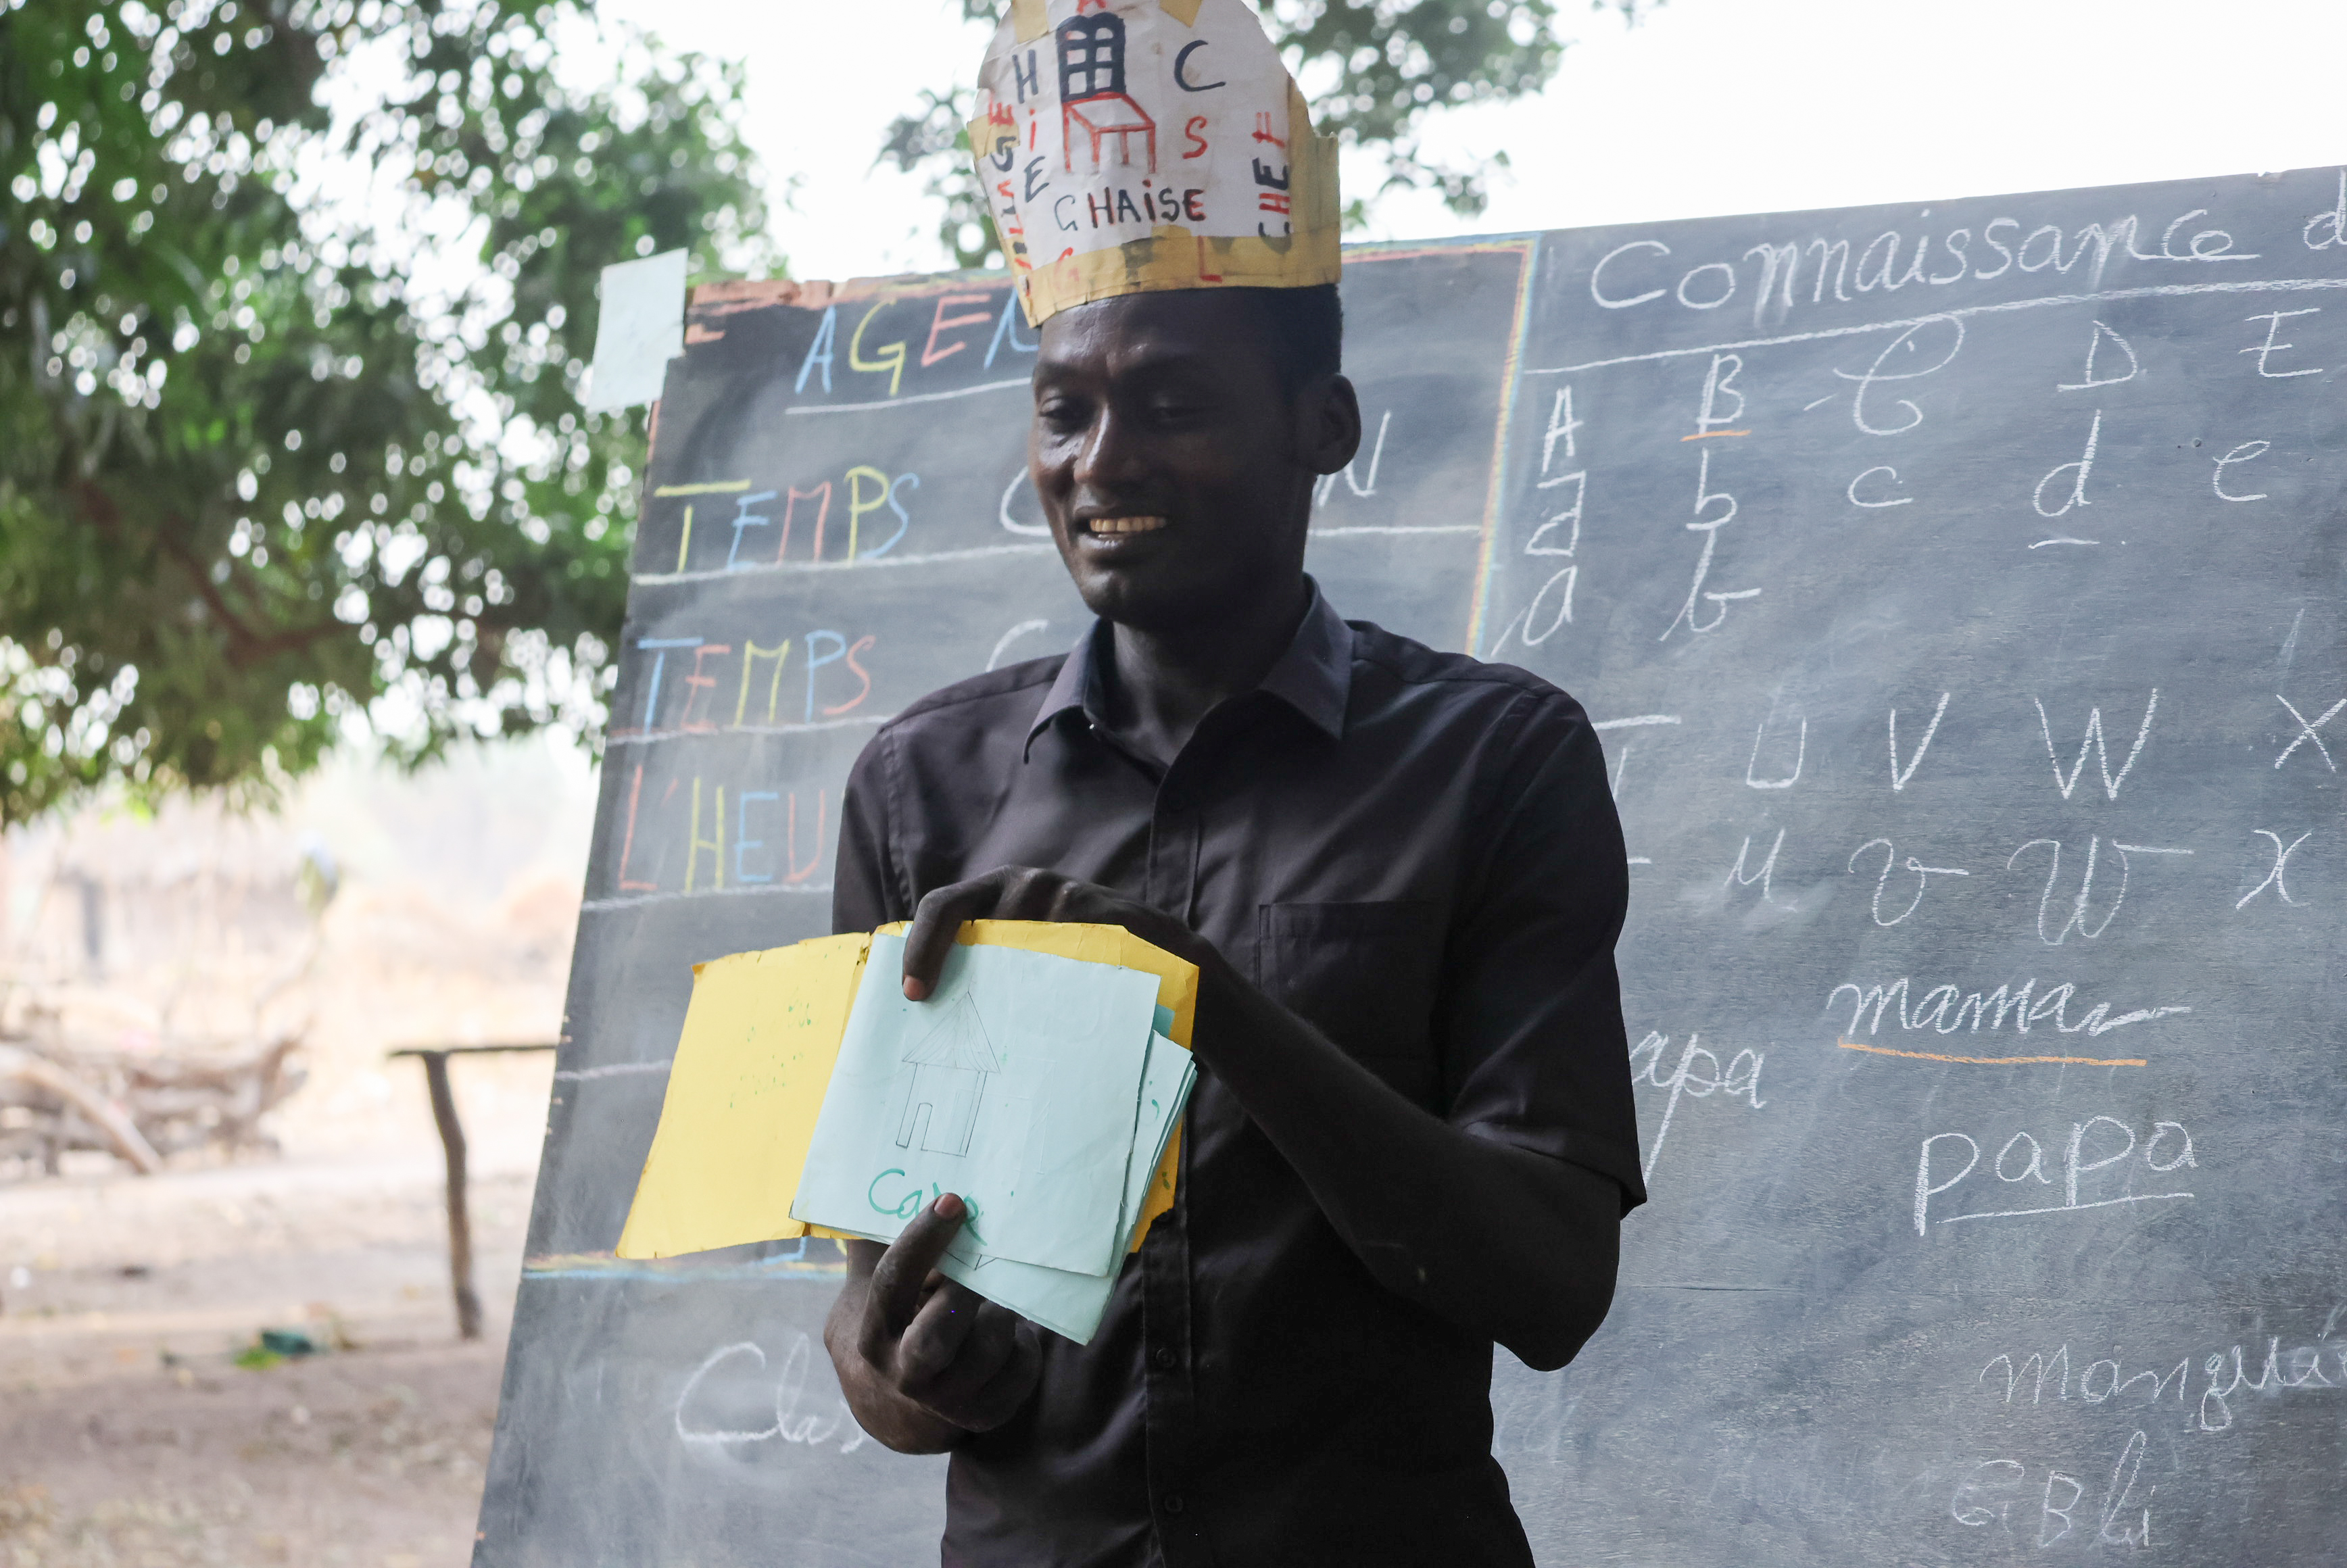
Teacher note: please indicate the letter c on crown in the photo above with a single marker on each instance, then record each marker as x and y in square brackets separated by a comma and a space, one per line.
[1182, 70]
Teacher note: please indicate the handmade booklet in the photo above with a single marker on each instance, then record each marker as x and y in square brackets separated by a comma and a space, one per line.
[1043, 1082]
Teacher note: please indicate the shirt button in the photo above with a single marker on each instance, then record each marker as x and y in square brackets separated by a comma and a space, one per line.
[1164, 1360]
[1174, 1504]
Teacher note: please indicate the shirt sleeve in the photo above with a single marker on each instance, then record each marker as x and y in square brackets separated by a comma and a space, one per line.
[864, 887]
[1535, 1053]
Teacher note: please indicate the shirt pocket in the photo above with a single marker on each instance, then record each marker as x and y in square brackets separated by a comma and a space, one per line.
[1365, 974]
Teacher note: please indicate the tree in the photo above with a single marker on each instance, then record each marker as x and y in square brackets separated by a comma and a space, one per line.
[1374, 70]
[263, 480]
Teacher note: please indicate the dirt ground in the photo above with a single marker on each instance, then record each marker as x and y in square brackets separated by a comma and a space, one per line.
[130, 1435]
[131, 1438]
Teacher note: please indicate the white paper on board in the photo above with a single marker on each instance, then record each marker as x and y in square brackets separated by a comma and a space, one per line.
[642, 328]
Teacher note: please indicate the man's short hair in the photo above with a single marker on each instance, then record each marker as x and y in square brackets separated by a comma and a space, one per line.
[1306, 329]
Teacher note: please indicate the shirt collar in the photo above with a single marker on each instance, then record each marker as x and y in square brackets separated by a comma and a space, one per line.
[1314, 676]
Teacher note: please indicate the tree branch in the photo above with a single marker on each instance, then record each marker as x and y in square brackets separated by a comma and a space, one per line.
[247, 647]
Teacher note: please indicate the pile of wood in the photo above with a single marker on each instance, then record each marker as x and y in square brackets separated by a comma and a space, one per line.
[139, 1106]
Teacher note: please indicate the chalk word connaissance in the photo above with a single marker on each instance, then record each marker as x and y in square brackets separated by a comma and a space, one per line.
[2224, 1377]
[1989, 1493]
[1642, 271]
[1946, 1009]
[789, 1389]
[1698, 1075]
[2021, 1163]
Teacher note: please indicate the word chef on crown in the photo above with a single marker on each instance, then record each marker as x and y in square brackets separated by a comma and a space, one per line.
[1411, 1136]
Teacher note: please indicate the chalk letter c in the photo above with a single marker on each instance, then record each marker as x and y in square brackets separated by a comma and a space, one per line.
[1871, 473]
[1599, 271]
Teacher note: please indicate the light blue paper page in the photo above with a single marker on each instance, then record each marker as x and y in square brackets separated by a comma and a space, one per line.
[1015, 1085]
[1068, 1304]
[1166, 1082]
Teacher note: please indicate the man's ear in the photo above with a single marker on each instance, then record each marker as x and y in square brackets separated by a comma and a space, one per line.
[1330, 428]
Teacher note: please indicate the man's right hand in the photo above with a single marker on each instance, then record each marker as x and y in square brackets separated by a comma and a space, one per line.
[923, 1361]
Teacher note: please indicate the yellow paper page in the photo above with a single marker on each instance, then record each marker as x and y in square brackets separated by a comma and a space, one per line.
[760, 1038]
[1177, 989]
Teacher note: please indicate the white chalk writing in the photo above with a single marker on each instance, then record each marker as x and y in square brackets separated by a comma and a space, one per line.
[1697, 1075]
[1947, 1008]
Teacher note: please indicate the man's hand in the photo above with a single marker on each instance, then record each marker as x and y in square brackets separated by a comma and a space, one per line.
[1023, 893]
[923, 1361]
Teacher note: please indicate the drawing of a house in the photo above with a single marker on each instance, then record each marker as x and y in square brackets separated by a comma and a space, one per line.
[949, 1067]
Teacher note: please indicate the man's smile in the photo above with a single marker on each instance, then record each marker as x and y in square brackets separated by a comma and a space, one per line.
[1139, 523]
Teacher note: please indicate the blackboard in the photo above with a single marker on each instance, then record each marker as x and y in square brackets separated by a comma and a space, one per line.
[1958, 589]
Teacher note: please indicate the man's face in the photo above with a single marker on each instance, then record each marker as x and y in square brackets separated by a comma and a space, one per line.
[1175, 471]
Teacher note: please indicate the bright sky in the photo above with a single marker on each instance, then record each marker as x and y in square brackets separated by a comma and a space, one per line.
[1707, 107]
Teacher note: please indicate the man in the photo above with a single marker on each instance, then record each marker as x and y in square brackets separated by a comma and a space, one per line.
[1400, 875]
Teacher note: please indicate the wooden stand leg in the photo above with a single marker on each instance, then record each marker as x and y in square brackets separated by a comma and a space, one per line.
[460, 1226]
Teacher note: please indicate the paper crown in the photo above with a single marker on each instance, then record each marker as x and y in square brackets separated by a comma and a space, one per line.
[1130, 146]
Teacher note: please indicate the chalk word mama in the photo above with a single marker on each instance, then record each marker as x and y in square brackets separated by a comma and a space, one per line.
[1950, 1008]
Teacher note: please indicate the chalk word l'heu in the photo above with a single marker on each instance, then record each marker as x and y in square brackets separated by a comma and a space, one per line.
[777, 863]
[2097, 1144]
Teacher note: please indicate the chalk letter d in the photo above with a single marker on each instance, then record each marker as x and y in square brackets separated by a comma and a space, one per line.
[2077, 470]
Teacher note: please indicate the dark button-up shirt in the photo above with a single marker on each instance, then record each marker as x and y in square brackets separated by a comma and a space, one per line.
[1419, 854]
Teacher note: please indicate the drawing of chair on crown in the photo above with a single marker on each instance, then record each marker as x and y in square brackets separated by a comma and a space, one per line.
[1092, 92]
[946, 1083]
